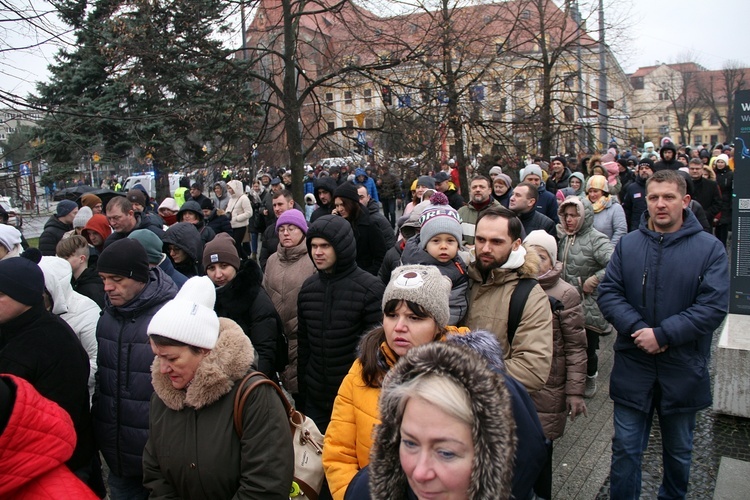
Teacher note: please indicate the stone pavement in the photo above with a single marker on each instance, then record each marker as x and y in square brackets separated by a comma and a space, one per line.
[581, 457]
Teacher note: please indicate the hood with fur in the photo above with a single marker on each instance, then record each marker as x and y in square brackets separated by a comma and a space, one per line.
[493, 430]
[217, 373]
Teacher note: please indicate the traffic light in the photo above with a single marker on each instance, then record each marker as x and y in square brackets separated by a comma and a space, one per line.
[387, 96]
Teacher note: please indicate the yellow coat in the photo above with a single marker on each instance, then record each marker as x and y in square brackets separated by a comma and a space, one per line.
[348, 438]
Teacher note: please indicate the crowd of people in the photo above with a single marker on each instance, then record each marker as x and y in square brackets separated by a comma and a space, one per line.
[440, 351]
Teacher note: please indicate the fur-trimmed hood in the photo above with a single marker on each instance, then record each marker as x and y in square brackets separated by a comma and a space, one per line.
[227, 363]
[493, 430]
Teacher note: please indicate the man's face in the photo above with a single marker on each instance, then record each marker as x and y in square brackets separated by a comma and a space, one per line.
[276, 188]
[665, 204]
[695, 171]
[520, 202]
[121, 222]
[120, 289]
[266, 180]
[281, 205]
[10, 308]
[195, 192]
[668, 155]
[645, 171]
[68, 219]
[492, 243]
[480, 191]
[325, 196]
[533, 179]
[206, 212]
[323, 254]
[442, 186]
[557, 167]
[364, 198]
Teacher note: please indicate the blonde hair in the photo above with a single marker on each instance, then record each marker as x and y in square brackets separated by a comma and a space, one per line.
[443, 392]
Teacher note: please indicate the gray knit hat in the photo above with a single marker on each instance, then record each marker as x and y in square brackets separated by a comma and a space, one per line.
[426, 181]
[439, 218]
[423, 285]
[82, 217]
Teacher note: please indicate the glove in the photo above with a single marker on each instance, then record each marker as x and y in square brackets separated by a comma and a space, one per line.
[589, 286]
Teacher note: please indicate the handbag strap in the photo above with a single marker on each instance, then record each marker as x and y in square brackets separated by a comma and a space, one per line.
[240, 397]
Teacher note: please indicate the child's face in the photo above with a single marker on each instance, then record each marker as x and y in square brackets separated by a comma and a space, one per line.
[442, 247]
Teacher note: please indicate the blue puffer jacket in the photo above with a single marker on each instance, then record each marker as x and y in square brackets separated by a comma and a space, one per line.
[546, 204]
[123, 389]
[369, 183]
[648, 284]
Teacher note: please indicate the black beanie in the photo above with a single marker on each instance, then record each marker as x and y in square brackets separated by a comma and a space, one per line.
[125, 257]
[21, 280]
[347, 190]
[561, 159]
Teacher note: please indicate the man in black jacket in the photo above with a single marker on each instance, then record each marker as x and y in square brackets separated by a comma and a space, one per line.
[324, 190]
[376, 217]
[634, 195]
[56, 226]
[523, 204]
[668, 154]
[124, 220]
[335, 307]
[444, 185]
[42, 349]
[705, 191]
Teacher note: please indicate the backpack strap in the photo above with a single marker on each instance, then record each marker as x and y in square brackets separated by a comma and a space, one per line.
[244, 392]
[517, 304]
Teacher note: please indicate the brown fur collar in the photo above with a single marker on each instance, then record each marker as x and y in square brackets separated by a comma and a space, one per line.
[227, 363]
[493, 430]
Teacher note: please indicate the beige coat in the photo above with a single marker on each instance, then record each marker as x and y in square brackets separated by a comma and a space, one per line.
[529, 358]
[239, 207]
[285, 272]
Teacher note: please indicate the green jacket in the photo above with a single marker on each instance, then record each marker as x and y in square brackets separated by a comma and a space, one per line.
[193, 450]
[469, 216]
[584, 252]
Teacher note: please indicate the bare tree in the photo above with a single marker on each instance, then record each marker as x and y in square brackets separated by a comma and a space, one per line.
[680, 88]
[717, 88]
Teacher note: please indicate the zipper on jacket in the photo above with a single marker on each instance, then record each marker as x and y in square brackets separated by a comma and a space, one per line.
[127, 367]
[643, 288]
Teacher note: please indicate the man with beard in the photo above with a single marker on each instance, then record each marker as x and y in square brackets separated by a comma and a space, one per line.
[501, 265]
[668, 154]
[480, 200]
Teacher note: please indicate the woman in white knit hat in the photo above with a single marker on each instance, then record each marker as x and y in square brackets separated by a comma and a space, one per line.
[193, 450]
[415, 312]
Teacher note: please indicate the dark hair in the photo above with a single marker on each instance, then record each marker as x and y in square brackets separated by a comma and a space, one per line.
[672, 176]
[514, 223]
[285, 193]
[374, 364]
[163, 341]
[533, 190]
[353, 208]
[481, 178]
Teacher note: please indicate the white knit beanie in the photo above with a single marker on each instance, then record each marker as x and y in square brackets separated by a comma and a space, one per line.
[190, 316]
[531, 169]
[423, 285]
[543, 239]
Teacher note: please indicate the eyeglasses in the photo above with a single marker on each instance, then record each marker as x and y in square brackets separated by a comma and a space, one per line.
[289, 229]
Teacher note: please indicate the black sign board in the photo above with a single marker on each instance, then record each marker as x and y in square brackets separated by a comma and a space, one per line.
[739, 300]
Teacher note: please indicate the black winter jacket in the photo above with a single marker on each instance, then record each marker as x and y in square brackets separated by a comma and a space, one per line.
[185, 236]
[327, 184]
[371, 247]
[123, 381]
[379, 220]
[334, 310]
[90, 284]
[706, 192]
[42, 349]
[634, 202]
[246, 302]
[54, 229]
[725, 180]
[391, 261]
[220, 223]
[533, 220]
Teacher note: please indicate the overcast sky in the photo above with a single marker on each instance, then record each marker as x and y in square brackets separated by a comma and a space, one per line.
[660, 30]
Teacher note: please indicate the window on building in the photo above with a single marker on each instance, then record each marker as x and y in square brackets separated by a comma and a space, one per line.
[503, 105]
[713, 119]
[368, 95]
[698, 119]
[714, 139]
[331, 126]
[664, 129]
[697, 139]
[329, 98]
[525, 14]
[569, 113]
[519, 83]
[637, 83]
[349, 123]
[348, 97]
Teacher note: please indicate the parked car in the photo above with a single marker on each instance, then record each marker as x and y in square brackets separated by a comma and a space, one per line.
[14, 214]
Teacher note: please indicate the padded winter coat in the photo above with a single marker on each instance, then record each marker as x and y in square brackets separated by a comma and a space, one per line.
[239, 206]
[378, 219]
[245, 301]
[34, 446]
[79, 312]
[583, 253]
[193, 450]
[286, 271]
[124, 388]
[634, 203]
[567, 376]
[142, 221]
[334, 309]
[678, 284]
[186, 237]
[529, 357]
[611, 221]
[53, 232]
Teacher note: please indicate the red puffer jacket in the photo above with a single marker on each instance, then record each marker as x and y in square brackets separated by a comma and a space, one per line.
[34, 446]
